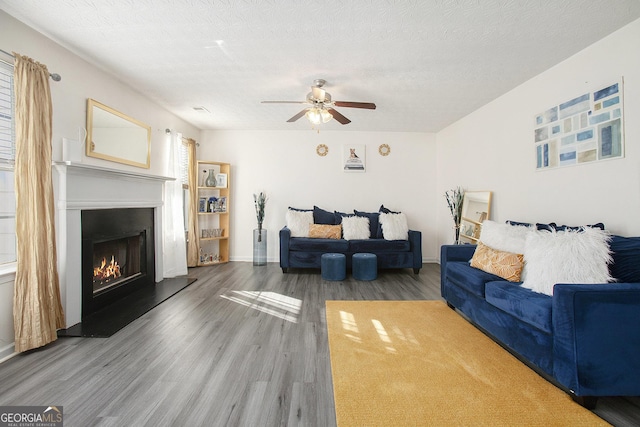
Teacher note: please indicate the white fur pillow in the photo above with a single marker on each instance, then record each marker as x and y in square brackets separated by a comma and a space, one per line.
[298, 222]
[394, 226]
[566, 257]
[504, 237]
[355, 227]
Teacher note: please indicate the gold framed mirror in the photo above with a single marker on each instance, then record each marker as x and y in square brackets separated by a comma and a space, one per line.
[114, 136]
[476, 207]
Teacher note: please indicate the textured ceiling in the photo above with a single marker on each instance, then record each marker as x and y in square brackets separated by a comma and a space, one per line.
[425, 63]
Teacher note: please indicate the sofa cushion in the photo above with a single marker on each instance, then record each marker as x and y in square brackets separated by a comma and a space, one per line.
[382, 209]
[339, 215]
[298, 222]
[324, 231]
[566, 257]
[626, 259]
[501, 263]
[320, 216]
[504, 237]
[524, 304]
[379, 246]
[373, 222]
[394, 226]
[318, 245]
[355, 227]
[472, 279]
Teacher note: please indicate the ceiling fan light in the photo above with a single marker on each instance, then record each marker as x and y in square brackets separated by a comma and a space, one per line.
[325, 115]
[314, 116]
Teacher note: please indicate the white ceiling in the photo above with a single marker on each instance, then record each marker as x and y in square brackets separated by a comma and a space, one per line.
[425, 63]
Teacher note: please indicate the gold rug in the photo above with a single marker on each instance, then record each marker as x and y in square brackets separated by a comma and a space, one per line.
[408, 363]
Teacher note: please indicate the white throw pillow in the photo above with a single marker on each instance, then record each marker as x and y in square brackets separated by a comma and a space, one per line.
[355, 227]
[504, 237]
[298, 222]
[566, 257]
[394, 226]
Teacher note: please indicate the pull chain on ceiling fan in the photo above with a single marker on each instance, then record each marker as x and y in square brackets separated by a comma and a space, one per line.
[322, 107]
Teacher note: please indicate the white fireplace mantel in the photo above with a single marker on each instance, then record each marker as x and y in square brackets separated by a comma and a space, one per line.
[79, 186]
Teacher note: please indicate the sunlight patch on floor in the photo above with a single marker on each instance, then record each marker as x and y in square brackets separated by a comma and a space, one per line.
[271, 303]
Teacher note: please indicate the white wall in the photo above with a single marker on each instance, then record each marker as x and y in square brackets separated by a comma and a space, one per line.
[285, 165]
[493, 149]
[81, 80]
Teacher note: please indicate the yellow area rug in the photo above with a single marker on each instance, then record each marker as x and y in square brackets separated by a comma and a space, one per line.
[409, 363]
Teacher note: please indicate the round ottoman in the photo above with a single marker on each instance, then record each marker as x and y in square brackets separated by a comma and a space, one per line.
[333, 266]
[365, 266]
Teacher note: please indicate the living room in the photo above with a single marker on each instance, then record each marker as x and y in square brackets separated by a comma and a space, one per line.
[489, 149]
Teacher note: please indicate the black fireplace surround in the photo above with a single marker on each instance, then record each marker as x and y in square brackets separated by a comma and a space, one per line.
[117, 255]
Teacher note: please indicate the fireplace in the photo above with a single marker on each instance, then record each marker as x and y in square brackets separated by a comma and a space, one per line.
[117, 255]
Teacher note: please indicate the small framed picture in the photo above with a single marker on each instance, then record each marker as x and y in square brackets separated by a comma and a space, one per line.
[202, 203]
[353, 158]
[221, 180]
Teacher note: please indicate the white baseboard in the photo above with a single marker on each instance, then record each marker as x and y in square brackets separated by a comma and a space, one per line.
[7, 352]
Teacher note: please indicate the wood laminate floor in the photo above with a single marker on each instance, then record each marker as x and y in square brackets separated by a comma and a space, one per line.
[242, 346]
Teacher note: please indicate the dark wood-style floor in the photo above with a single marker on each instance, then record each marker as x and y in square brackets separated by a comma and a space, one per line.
[242, 346]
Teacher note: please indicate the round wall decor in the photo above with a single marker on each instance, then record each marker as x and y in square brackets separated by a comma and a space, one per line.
[322, 150]
[384, 149]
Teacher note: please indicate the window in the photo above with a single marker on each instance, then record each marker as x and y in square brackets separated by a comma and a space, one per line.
[7, 155]
[184, 163]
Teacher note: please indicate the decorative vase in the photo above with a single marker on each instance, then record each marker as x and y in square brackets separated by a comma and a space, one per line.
[259, 246]
[211, 179]
[457, 231]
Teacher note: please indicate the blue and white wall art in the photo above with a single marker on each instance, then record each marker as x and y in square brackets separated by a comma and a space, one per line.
[584, 129]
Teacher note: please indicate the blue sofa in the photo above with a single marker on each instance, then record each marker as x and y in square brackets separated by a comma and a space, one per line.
[303, 252]
[585, 338]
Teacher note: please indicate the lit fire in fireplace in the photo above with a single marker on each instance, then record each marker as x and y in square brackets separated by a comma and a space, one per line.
[106, 270]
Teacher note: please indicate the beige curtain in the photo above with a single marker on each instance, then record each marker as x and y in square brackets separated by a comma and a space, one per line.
[37, 310]
[193, 249]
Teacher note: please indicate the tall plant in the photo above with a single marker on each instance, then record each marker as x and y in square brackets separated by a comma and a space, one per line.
[454, 201]
[260, 201]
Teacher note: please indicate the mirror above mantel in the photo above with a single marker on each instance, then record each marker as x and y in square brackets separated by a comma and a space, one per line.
[114, 136]
[476, 207]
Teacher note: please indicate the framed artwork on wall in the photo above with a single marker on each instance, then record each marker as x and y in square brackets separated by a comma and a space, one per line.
[353, 158]
[584, 129]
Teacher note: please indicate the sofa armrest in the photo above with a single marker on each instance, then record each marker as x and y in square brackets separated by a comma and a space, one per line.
[285, 235]
[597, 338]
[452, 253]
[415, 245]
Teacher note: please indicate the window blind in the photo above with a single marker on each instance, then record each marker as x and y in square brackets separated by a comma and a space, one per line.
[7, 156]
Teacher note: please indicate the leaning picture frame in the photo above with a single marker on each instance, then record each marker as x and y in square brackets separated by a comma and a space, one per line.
[221, 180]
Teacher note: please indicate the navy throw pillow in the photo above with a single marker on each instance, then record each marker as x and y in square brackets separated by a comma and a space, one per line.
[320, 216]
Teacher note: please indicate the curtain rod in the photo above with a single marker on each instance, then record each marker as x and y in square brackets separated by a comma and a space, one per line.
[54, 76]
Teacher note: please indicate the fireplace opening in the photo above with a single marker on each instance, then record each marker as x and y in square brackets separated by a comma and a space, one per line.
[117, 256]
[116, 262]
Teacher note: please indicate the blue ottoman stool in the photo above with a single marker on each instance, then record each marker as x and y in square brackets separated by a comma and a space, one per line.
[333, 266]
[365, 266]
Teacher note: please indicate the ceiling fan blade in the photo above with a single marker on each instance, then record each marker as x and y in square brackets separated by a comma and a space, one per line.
[339, 117]
[367, 105]
[297, 116]
[283, 102]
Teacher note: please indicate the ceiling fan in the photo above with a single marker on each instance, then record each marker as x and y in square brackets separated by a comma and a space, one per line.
[321, 108]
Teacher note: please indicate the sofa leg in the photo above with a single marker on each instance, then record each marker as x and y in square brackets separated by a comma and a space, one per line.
[589, 402]
[450, 305]
[416, 271]
[285, 270]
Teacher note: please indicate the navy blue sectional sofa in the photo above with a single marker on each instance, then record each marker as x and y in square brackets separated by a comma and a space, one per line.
[304, 252]
[585, 338]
